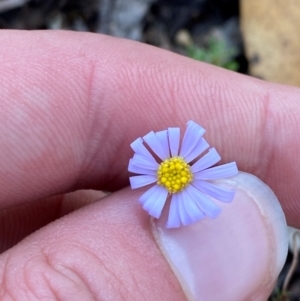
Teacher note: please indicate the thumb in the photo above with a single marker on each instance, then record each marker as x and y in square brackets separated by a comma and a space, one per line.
[107, 251]
[237, 256]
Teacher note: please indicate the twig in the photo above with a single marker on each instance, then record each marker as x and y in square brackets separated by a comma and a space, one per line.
[294, 263]
[9, 4]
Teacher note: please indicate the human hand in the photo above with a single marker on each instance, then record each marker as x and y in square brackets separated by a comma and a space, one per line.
[70, 106]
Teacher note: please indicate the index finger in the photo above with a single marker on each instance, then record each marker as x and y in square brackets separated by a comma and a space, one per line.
[72, 103]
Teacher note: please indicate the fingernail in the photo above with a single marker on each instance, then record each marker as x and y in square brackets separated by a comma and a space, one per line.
[236, 256]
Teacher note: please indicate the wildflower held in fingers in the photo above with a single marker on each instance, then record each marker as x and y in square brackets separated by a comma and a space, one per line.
[180, 173]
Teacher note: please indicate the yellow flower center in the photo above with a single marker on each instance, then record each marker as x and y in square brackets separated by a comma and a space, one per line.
[174, 174]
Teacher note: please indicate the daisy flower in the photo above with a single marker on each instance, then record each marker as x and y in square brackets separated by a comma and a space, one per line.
[177, 172]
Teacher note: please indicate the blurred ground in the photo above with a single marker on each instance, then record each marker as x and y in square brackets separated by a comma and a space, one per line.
[206, 30]
[203, 29]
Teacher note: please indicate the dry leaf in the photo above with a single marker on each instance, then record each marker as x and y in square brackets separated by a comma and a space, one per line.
[271, 30]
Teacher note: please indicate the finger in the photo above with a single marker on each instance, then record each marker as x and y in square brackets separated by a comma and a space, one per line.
[80, 99]
[239, 255]
[18, 222]
[107, 251]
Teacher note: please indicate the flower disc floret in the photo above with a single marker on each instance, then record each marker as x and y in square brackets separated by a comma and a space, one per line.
[174, 174]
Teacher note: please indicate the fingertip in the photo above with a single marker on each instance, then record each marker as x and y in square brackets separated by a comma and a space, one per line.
[237, 256]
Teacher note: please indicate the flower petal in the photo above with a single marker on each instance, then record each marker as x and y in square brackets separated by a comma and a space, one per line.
[140, 181]
[184, 217]
[203, 202]
[174, 140]
[211, 158]
[144, 162]
[139, 148]
[195, 214]
[150, 193]
[163, 138]
[135, 168]
[154, 200]
[199, 148]
[218, 172]
[152, 140]
[216, 192]
[189, 212]
[191, 137]
[174, 218]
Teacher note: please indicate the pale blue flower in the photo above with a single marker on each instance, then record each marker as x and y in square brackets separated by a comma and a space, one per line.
[177, 171]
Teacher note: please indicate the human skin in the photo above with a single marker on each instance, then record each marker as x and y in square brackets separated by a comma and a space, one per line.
[70, 105]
